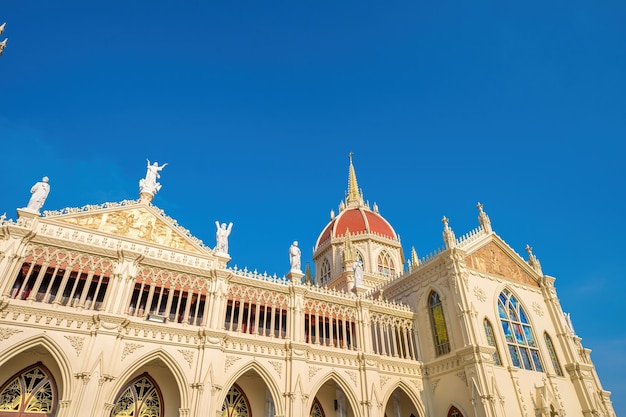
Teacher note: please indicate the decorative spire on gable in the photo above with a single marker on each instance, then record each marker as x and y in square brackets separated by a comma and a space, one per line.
[448, 235]
[483, 219]
[414, 259]
[533, 261]
[355, 196]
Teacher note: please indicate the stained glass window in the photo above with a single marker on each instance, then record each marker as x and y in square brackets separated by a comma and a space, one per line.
[140, 398]
[518, 333]
[555, 361]
[29, 392]
[385, 264]
[492, 341]
[454, 412]
[316, 409]
[438, 324]
[236, 403]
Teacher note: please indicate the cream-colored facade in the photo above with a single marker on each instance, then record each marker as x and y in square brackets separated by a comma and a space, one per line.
[115, 310]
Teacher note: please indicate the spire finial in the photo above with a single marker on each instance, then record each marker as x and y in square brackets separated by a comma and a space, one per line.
[354, 197]
[533, 261]
[448, 235]
[414, 259]
[483, 219]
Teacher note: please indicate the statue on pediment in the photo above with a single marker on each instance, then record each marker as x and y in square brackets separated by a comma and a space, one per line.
[39, 193]
[221, 237]
[149, 184]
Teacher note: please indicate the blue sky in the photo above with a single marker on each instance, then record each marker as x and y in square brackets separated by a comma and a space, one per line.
[255, 106]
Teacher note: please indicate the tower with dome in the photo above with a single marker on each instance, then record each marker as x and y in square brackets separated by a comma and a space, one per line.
[115, 310]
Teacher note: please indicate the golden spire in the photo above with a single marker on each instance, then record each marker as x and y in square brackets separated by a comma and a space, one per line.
[354, 196]
[414, 259]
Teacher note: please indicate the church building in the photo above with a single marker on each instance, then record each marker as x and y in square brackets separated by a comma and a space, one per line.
[115, 310]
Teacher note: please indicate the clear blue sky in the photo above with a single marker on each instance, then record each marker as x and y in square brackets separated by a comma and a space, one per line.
[255, 106]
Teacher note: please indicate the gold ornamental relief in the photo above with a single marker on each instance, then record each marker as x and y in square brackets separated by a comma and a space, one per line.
[493, 260]
[137, 223]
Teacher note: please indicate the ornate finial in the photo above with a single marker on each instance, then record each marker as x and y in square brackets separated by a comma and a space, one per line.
[414, 259]
[307, 274]
[349, 252]
[332, 214]
[448, 235]
[533, 261]
[354, 197]
[483, 219]
[375, 207]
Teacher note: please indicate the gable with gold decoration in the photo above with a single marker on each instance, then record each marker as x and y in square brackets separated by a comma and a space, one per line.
[131, 220]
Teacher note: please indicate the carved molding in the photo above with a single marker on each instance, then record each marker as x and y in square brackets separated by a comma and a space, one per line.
[6, 332]
[230, 360]
[130, 348]
[187, 355]
[278, 367]
[77, 343]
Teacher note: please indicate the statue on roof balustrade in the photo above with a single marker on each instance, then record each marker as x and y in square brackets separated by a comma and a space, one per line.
[149, 184]
[39, 193]
[221, 237]
[294, 257]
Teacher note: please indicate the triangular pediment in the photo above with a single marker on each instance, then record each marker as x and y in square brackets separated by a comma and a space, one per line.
[495, 260]
[137, 221]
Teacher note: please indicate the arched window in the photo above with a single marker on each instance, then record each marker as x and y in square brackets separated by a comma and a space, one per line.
[492, 341]
[325, 272]
[30, 392]
[518, 333]
[555, 361]
[454, 412]
[139, 398]
[236, 403]
[316, 409]
[385, 264]
[438, 323]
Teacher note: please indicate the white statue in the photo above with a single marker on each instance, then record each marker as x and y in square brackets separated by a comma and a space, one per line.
[294, 256]
[39, 193]
[150, 184]
[221, 237]
[357, 267]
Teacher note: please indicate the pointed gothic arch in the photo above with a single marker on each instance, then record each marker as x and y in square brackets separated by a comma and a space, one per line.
[343, 385]
[236, 403]
[30, 392]
[454, 412]
[255, 368]
[174, 398]
[60, 363]
[325, 272]
[141, 397]
[438, 324]
[316, 409]
[385, 264]
[402, 388]
[518, 332]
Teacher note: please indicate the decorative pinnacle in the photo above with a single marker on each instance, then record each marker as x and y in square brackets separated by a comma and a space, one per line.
[529, 249]
[414, 259]
[354, 196]
[483, 219]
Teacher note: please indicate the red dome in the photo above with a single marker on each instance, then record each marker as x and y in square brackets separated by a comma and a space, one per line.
[358, 220]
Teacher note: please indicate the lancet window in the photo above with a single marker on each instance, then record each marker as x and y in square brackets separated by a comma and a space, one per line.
[236, 403]
[30, 392]
[316, 409]
[50, 275]
[392, 336]
[454, 412]
[330, 325]
[325, 272]
[177, 297]
[385, 264]
[555, 360]
[140, 398]
[518, 333]
[438, 324]
[256, 311]
[492, 341]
